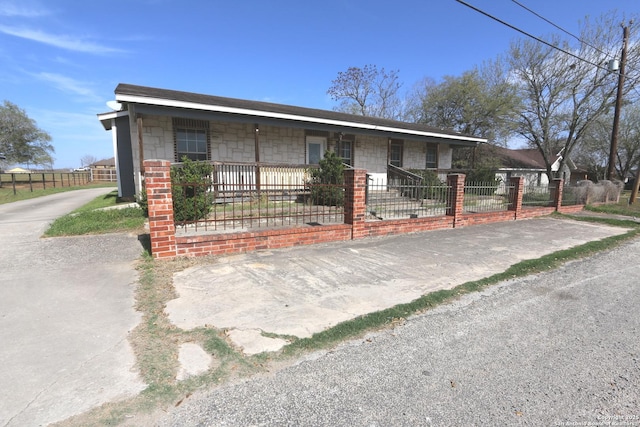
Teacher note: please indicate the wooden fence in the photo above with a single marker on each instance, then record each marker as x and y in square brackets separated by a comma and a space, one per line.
[44, 180]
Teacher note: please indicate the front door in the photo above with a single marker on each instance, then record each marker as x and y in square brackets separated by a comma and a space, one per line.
[316, 145]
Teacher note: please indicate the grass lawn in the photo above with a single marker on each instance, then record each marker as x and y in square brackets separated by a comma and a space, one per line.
[7, 196]
[92, 218]
[621, 208]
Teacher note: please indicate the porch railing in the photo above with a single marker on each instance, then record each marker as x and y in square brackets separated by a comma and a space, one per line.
[248, 176]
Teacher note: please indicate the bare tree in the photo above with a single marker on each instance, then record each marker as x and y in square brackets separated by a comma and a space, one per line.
[88, 160]
[367, 91]
[564, 96]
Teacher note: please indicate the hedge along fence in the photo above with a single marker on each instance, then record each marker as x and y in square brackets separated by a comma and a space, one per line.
[166, 244]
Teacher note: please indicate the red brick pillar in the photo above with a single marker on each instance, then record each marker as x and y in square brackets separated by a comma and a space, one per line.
[157, 178]
[455, 182]
[355, 204]
[516, 192]
[557, 188]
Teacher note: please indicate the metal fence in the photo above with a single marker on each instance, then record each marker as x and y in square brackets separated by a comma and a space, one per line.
[405, 199]
[538, 195]
[37, 181]
[485, 197]
[239, 208]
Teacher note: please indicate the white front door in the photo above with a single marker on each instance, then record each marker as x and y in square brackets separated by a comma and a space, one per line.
[316, 145]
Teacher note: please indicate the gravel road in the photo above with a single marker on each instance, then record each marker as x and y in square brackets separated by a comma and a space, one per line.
[560, 348]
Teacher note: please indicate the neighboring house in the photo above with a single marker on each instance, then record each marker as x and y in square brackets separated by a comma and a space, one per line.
[104, 164]
[152, 123]
[528, 163]
[104, 170]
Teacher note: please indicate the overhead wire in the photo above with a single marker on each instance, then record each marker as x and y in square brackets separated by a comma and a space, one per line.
[538, 39]
[560, 28]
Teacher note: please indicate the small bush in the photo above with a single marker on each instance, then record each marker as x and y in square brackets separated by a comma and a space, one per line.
[326, 183]
[431, 186]
[190, 184]
[142, 201]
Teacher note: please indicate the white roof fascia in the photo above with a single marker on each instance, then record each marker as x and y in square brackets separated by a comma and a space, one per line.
[274, 115]
[105, 118]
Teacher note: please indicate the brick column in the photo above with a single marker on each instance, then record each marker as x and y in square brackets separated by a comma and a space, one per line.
[157, 178]
[455, 182]
[355, 204]
[558, 186]
[516, 192]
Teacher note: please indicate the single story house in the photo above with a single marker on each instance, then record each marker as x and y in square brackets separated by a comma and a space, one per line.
[152, 123]
[528, 163]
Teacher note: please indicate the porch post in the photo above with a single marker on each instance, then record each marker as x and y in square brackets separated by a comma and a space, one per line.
[257, 155]
[355, 205]
[516, 192]
[455, 182]
[140, 143]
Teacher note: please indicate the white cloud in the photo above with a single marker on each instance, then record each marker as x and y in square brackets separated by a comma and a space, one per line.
[60, 41]
[14, 10]
[69, 85]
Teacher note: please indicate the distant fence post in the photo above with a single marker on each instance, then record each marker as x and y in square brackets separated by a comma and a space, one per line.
[455, 182]
[558, 187]
[355, 204]
[162, 229]
[516, 192]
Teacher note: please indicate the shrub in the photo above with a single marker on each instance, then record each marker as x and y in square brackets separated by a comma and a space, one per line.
[326, 182]
[142, 201]
[431, 186]
[191, 182]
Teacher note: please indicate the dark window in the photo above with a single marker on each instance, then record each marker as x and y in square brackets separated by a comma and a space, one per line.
[432, 157]
[395, 153]
[191, 139]
[344, 148]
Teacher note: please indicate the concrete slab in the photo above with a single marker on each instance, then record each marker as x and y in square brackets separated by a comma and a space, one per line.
[304, 290]
[252, 342]
[193, 360]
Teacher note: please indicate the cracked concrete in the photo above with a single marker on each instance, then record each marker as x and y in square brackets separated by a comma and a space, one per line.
[304, 290]
[66, 309]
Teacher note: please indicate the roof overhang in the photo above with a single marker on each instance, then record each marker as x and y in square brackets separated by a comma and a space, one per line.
[107, 118]
[254, 114]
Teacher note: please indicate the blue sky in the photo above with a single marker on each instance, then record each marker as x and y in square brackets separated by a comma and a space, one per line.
[60, 60]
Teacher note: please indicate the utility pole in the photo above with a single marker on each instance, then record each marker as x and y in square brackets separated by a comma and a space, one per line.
[616, 117]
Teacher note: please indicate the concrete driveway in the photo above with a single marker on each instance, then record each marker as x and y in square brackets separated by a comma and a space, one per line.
[66, 308]
[304, 290]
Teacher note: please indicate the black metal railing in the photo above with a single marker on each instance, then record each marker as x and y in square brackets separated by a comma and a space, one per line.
[405, 199]
[486, 197]
[239, 208]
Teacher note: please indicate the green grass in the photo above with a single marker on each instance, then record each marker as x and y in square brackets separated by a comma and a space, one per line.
[621, 208]
[89, 219]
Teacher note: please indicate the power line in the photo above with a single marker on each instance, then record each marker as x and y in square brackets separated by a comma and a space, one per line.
[538, 39]
[560, 28]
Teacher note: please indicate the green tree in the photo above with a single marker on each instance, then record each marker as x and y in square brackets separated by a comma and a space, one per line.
[21, 141]
[481, 102]
[367, 91]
